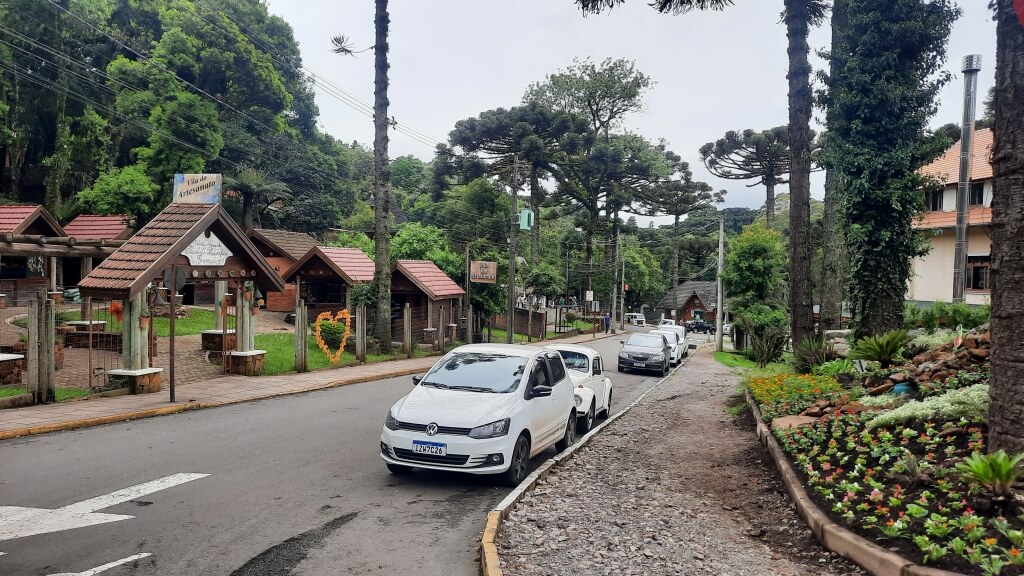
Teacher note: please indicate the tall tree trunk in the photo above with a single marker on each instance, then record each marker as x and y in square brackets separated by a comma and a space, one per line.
[1006, 409]
[247, 209]
[535, 199]
[800, 104]
[833, 248]
[381, 178]
[674, 283]
[769, 204]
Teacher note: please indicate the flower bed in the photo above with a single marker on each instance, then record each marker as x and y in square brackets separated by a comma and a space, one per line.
[898, 476]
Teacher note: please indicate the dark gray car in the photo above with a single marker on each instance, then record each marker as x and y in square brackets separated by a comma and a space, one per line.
[650, 352]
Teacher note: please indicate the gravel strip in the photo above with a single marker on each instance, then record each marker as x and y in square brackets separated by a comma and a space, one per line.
[673, 487]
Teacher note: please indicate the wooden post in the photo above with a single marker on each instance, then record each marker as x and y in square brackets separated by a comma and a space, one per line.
[440, 329]
[48, 332]
[529, 322]
[469, 324]
[52, 272]
[220, 289]
[301, 335]
[407, 330]
[361, 333]
[430, 313]
[172, 313]
[134, 338]
[32, 351]
[86, 269]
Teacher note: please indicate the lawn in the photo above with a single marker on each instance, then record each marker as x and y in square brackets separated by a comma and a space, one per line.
[740, 363]
[197, 320]
[280, 358]
[63, 394]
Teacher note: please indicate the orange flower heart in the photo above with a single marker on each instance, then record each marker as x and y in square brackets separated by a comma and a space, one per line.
[333, 357]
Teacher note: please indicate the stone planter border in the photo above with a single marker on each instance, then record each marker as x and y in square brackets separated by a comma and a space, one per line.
[490, 561]
[19, 401]
[833, 536]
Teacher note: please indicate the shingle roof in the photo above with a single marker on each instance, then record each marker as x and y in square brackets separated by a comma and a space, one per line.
[146, 255]
[976, 216]
[92, 226]
[429, 278]
[16, 218]
[707, 291]
[351, 264]
[286, 243]
[947, 167]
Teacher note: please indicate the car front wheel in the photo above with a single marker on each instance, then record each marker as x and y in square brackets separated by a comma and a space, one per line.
[569, 438]
[583, 425]
[518, 463]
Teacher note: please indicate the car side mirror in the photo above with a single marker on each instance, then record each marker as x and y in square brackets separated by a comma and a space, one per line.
[416, 379]
[540, 391]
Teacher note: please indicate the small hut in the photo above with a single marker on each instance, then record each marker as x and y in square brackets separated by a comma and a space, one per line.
[324, 277]
[26, 271]
[112, 230]
[435, 299]
[282, 248]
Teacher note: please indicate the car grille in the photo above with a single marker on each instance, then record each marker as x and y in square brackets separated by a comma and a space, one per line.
[449, 430]
[640, 357]
[449, 460]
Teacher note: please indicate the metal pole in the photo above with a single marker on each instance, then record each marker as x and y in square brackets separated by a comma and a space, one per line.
[172, 313]
[511, 322]
[622, 299]
[720, 312]
[971, 66]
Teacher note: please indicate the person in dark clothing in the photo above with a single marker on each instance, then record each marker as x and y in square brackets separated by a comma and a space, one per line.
[607, 323]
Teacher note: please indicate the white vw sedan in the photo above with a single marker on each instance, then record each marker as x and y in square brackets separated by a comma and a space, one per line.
[593, 390]
[482, 409]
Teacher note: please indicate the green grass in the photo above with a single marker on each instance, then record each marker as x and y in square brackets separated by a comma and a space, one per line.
[196, 321]
[743, 365]
[63, 394]
[280, 358]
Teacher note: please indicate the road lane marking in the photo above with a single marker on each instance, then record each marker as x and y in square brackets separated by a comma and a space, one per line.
[19, 522]
[105, 567]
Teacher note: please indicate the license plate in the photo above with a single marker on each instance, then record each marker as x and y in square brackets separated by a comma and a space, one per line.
[639, 364]
[434, 448]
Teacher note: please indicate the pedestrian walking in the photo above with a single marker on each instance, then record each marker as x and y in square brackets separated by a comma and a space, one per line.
[607, 323]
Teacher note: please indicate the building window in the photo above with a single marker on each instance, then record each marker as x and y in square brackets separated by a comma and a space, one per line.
[933, 201]
[977, 196]
[977, 272]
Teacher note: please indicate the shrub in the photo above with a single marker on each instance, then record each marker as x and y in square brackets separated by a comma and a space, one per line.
[784, 394]
[332, 333]
[835, 367]
[993, 473]
[883, 348]
[767, 347]
[911, 315]
[970, 403]
[571, 317]
[811, 352]
[925, 342]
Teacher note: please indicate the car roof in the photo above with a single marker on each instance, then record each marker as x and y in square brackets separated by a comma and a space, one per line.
[657, 331]
[573, 348]
[506, 349]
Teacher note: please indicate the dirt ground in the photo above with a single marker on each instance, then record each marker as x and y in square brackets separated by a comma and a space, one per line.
[677, 486]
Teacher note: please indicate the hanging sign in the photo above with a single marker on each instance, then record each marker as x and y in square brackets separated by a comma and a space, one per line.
[207, 251]
[525, 219]
[483, 272]
[197, 188]
[589, 295]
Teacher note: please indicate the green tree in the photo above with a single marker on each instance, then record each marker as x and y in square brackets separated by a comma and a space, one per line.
[415, 241]
[888, 74]
[545, 280]
[761, 156]
[1006, 410]
[755, 267]
[257, 193]
[127, 190]
[353, 240]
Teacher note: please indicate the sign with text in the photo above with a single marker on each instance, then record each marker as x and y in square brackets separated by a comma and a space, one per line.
[207, 251]
[483, 272]
[197, 188]
[589, 296]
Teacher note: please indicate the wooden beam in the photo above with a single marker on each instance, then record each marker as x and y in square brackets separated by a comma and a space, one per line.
[32, 249]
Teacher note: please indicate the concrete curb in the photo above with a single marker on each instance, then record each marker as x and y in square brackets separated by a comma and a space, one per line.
[166, 410]
[490, 561]
[835, 537]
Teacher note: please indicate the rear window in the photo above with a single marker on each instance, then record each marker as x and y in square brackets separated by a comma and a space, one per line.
[575, 360]
[672, 337]
[481, 371]
[646, 340]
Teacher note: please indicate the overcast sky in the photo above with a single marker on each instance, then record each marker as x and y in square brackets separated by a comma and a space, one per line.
[452, 59]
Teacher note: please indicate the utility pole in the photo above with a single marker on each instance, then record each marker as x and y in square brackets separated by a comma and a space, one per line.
[720, 313]
[513, 224]
[971, 66]
[615, 282]
[622, 299]
[469, 301]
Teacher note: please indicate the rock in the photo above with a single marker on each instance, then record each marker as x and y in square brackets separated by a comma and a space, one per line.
[813, 412]
[878, 390]
[898, 377]
[970, 343]
[979, 353]
[911, 334]
[985, 339]
[940, 376]
[855, 407]
[792, 422]
[823, 403]
[842, 400]
[919, 360]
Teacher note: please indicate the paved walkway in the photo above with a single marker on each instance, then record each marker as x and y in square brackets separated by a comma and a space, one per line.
[208, 393]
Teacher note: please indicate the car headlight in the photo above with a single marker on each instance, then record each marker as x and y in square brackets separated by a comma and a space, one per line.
[658, 357]
[578, 399]
[623, 354]
[391, 423]
[492, 430]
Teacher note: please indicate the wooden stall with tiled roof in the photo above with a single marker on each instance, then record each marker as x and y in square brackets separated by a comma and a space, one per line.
[324, 277]
[282, 248]
[28, 254]
[435, 299]
[110, 230]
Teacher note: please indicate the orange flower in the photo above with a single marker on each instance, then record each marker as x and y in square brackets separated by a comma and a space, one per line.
[1014, 553]
[991, 541]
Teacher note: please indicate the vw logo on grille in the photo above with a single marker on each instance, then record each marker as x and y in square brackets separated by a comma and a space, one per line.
[431, 429]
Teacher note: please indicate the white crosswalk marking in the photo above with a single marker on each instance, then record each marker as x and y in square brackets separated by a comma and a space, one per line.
[105, 567]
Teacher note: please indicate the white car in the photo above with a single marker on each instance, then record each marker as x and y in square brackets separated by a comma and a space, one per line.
[635, 318]
[592, 389]
[482, 409]
[727, 329]
[674, 344]
[680, 334]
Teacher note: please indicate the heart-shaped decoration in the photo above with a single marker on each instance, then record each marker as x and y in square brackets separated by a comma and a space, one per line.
[333, 357]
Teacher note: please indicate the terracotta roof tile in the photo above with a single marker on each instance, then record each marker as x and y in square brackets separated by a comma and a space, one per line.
[16, 218]
[352, 261]
[292, 244]
[429, 278]
[976, 216]
[92, 226]
[947, 166]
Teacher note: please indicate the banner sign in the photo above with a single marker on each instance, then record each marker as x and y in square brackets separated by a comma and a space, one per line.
[207, 251]
[197, 188]
[483, 272]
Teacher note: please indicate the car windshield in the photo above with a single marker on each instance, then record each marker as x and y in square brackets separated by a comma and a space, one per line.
[477, 372]
[671, 337]
[645, 340]
[577, 361]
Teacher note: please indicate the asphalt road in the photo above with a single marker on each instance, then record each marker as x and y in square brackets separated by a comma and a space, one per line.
[295, 486]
